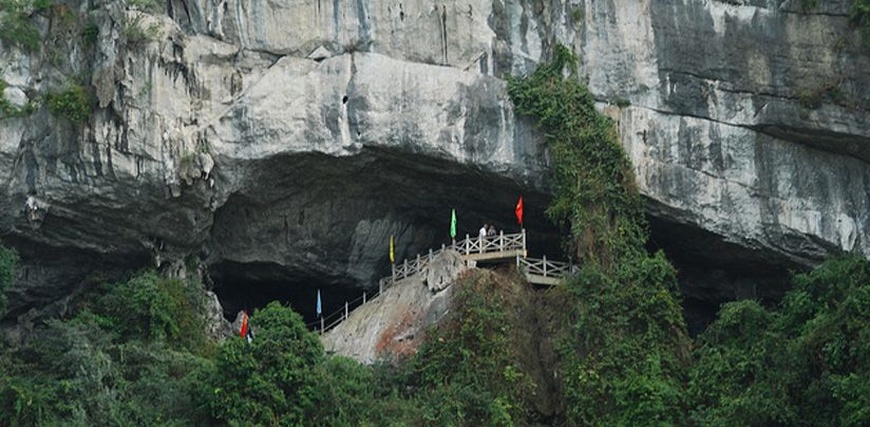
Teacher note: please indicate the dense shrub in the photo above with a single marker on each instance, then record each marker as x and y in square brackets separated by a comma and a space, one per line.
[74, 103]
[470, 370]
[271, 380]
[125, 359]
[806, 362]
[16, 28]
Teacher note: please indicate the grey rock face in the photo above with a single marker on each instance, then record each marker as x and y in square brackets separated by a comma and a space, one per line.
[746, 121]
[443, 270]
[390, 327]
[295, 136]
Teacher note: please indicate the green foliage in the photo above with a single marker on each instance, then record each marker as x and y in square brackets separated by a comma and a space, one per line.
[624, 350]
[621, 102]
[350, 394]
[577, 14]
[7, 110]
[148, 307]
[729, 381]
[71, 373]
[270, 381]
[8, 265]
[138, 33]
[469, 371]
[805, 363]
[16, 27]
[626, 354]
[125, 359]
[91, 33]
[74, 103]
[595, 190]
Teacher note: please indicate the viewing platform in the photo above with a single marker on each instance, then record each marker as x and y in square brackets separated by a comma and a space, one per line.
[473, 250]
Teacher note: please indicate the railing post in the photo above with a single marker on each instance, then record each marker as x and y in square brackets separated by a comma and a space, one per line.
[524, 240]
[467, 244]
[430, 255]
[501, 244]
[545, 266]
[392, 274]
[321, 325]
[364, 298]
[405, 269]
[345, 310]
[418, 262]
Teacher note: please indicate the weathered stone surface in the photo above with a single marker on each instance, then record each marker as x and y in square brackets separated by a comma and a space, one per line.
[298, 135]
[443, 270]
[391, 326]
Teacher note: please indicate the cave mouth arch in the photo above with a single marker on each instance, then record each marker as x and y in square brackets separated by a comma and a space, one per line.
[252, 285]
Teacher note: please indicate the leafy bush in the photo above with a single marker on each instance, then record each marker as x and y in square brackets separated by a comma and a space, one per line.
[805, 363]
[16, 28]
[8, 110]
[271, 380]
[137, 33]
[729, 381]
[91, 33]
[74, 103]
[71, 373]
[148, 307]
[470, 371]
[124, 359]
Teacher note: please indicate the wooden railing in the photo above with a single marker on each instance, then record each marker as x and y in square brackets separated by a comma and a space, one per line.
[489, 244]
[466, 247]
[544, 267]
[469, 247]
[325, 323]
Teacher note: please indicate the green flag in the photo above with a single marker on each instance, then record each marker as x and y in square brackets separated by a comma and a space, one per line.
[453, 224]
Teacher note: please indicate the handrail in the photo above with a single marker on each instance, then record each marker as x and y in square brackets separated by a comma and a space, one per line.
[544, 267]
[466, 247]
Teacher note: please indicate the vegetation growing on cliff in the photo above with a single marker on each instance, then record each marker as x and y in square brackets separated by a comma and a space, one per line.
[806, 362]
[73, 102]
[16, 27]
[624, 350]
[478, 367]
[135, 352]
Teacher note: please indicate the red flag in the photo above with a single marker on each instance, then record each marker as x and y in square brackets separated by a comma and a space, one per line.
[519, 211]
[244, 330]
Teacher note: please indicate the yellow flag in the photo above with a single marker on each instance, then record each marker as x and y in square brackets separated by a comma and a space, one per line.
[392, 251]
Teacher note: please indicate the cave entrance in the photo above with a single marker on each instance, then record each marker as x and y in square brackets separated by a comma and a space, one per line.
[249, 286]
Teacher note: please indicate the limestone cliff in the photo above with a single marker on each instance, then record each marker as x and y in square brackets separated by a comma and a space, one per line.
[284, 141]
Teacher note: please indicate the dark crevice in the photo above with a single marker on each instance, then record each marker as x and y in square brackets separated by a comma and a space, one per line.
[712, 271]
[325, 222]
[250, 286]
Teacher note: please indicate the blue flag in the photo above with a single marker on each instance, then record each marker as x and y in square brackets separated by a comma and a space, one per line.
[319, 308]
